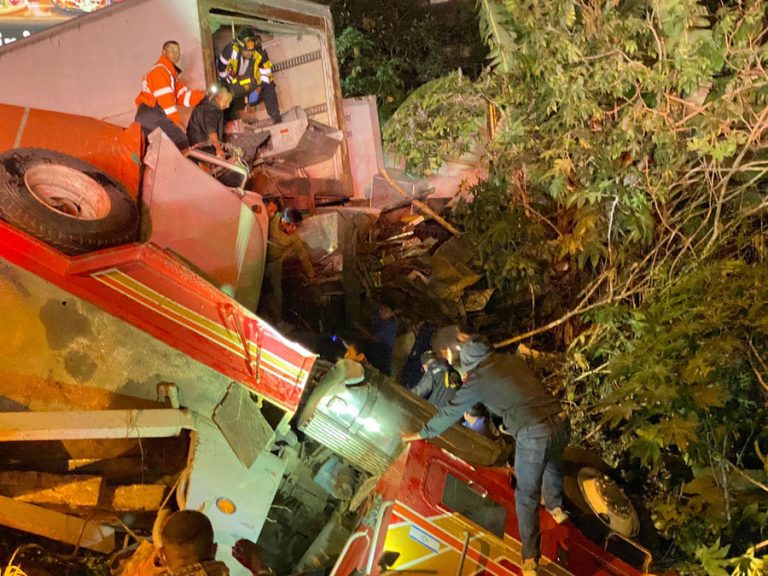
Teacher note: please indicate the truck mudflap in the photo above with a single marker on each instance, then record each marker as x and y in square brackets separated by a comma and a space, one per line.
[152, 290]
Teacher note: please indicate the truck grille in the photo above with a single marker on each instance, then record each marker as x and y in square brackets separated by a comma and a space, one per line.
[358, 452]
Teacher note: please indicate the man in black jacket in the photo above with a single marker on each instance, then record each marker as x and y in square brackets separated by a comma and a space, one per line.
[509, 389]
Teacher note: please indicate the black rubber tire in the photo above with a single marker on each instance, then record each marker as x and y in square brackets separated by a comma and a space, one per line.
[69, 235]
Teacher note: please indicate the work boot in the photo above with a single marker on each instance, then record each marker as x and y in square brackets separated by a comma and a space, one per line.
[558, 515]
[530, 567]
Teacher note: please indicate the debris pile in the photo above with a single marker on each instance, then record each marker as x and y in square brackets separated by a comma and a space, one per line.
[87, 495]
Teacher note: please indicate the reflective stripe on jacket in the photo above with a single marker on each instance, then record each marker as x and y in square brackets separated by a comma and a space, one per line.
[162, 86]
[233, 68]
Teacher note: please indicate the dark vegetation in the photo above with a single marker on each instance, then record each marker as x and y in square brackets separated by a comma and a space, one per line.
[622, 223]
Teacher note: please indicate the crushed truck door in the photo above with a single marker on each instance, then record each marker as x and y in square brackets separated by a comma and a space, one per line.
[449, 517]
[451, 520]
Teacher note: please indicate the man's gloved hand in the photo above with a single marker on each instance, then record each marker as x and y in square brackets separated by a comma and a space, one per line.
[249, 555]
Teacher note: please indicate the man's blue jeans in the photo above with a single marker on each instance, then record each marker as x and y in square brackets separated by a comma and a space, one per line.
[538, 468]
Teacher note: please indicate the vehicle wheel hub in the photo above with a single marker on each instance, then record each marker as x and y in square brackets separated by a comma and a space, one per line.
[68, 191]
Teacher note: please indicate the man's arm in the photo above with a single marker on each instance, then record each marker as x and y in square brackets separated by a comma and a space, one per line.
[222, 63]
[187, 97]
[249, 555]
[424, 387]
[213, 137]
[449, 414]
[264, 73]
[212, 119]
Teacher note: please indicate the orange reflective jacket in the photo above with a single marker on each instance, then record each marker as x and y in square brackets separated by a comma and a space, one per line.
[162, 85]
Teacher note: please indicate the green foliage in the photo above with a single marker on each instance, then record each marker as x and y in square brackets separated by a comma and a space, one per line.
[440, 120]
[625, 208]
[496, 30]
[392, 47]
[508, 241]
[366, 70]
[685, 384]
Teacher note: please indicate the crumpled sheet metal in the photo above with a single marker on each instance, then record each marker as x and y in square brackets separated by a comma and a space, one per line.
[324, 232]
[321, 233]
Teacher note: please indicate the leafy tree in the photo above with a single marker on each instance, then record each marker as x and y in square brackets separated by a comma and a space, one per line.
[627, 152]
[392, 47]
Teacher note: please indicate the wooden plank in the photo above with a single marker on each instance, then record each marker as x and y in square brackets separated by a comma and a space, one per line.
[42, 488]
[137, 497]
[90, 424]
[55, 525]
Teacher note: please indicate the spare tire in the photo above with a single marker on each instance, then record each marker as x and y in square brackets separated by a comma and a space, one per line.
[64, 201]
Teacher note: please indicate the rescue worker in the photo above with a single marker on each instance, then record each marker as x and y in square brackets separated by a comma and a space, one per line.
[162, 92]
[380, 339]
[285, 244]
[188, 549]
[439, 382]
[245, 66]
[509, 389]
[207, 122]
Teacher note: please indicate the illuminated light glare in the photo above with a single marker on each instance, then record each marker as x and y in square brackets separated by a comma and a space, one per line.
[226, 506]
[371, 424]
[339, 407]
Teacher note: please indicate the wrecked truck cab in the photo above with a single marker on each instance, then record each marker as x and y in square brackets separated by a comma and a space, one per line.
[81, 185]
[434, 513]
[124, 348]
[447, 505]
[361, 414]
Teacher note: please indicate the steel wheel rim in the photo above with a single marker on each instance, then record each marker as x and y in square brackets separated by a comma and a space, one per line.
[68, 192]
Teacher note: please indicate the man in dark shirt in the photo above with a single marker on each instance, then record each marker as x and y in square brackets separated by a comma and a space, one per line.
[509, 389]
[439, 382]
[380, 339]
[207, 122]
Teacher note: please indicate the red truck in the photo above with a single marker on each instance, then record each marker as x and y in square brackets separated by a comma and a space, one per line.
[133, 371]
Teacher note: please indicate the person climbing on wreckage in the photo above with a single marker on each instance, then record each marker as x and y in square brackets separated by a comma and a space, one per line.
[162, 93]
[245, 66]
[285, 244]
[509, 389]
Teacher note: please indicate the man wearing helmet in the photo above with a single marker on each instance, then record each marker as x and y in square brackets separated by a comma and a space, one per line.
[285, 244]
[439, 382]
[245, 66]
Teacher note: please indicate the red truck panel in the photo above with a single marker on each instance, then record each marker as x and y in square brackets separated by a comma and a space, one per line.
[150, 289]
[114, 150]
